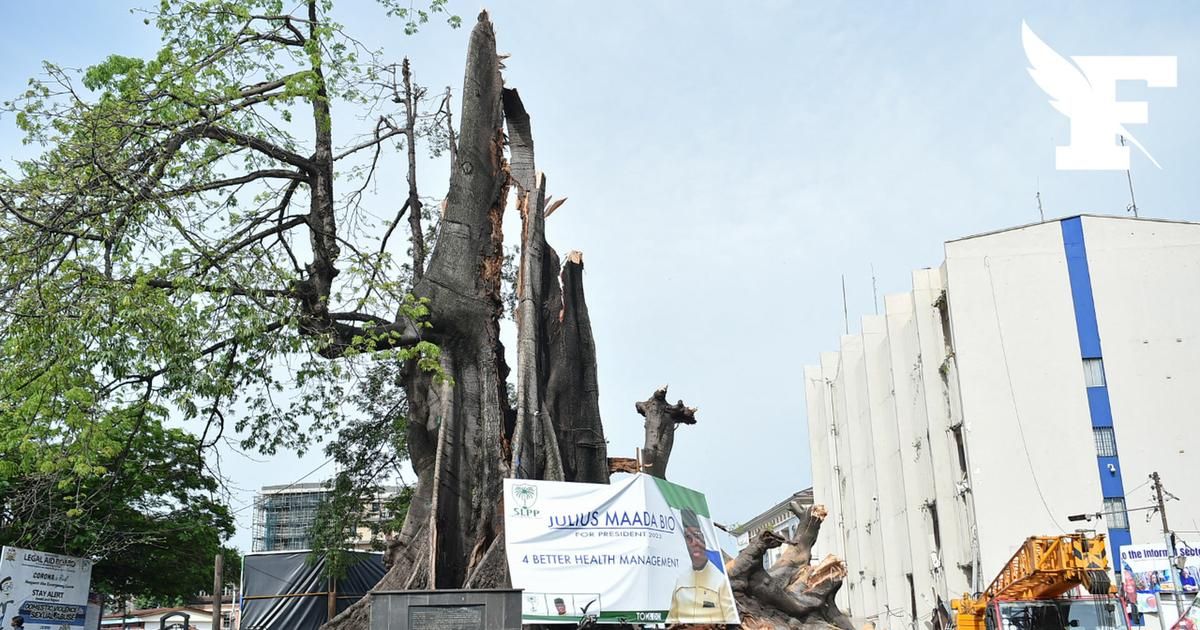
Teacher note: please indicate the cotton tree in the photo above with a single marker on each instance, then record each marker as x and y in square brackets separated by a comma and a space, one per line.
[195, 243]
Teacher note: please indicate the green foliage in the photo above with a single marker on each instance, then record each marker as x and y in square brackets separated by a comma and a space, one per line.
[355, 512]
[231, 576]
[370, 447]
[415, 18]
[157, 270]
[143, 504]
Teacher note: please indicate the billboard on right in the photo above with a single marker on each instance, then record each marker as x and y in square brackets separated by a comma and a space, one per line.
[1146, 570]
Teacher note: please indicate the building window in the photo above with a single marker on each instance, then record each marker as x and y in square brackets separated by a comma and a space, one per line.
[1093, 372]
[912, 594]
[937, 530]
[1106, 441]
[957, 430]
[943, 306]
[1115, 515]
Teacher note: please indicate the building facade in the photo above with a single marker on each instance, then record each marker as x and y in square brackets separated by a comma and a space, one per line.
[778, 519]
[284, 516]
[1040, 372]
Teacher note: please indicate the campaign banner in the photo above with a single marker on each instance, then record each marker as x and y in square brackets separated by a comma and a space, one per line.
[49, 590]
[1147, 569]
[642, 550]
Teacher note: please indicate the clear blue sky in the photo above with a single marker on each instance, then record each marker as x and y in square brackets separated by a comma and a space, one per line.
[727, 162]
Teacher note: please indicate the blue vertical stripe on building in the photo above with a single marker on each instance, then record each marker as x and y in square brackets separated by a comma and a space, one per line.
[1080, 277]
[1081, 288]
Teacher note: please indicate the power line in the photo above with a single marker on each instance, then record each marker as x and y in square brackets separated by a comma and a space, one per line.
[1012, 395]
[1143, 485]
[289, 486]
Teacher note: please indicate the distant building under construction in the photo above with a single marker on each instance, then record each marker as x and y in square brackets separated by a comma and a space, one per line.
[284, 516]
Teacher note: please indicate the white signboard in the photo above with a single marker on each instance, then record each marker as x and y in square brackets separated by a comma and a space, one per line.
[642, 550]
[50, 591]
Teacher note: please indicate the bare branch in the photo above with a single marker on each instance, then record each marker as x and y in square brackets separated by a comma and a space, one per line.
[374, 142]
[234, 181]
[265, 147]
[414, 200]
[160, 283]
[48, 228]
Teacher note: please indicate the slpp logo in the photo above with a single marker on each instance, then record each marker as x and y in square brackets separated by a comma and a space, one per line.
[1086, 92]
[524, 496]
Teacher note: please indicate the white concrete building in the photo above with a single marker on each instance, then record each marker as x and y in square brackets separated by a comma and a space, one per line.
[1041, 372]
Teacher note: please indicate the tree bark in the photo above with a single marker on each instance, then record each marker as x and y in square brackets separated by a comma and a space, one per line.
[559, 434]
[463, 437]
[457, 437]
[573, 392]
[793, 593]
[661, 420]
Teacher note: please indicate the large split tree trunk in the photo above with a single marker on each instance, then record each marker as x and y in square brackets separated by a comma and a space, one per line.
[464, 438]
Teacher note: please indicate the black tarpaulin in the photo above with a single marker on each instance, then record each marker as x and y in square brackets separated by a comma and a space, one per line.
[285, 590]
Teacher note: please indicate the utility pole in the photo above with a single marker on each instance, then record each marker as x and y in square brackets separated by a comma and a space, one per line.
[216, 594]
[1169, 539]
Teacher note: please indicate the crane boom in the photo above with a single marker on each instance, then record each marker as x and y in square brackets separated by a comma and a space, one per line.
[1043, 568]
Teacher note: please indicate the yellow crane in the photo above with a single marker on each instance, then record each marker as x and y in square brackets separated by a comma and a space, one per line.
[1032, 590]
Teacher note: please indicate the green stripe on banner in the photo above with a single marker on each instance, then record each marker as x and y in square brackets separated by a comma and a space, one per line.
[679, 497]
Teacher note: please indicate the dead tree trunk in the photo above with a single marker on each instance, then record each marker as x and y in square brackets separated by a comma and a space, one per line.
[661, 420]
[794, 593]
[463, 436]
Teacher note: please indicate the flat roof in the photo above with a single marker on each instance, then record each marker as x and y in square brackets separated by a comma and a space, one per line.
[1116, 217]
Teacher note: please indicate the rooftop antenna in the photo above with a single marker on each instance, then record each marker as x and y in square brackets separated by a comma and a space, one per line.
[874, 289]
[1041, 213]
[845, 309]
[1132, 207]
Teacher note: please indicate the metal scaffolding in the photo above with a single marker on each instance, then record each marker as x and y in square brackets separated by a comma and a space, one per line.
[284, 516]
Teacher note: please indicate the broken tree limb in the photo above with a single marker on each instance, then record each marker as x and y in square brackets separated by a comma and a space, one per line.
[572, 384]
[558, 433]
[793, 593]
[535, 453]
[623, 465]
[661, 420]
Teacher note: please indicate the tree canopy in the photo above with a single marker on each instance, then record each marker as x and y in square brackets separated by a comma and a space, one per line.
[191, 245]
